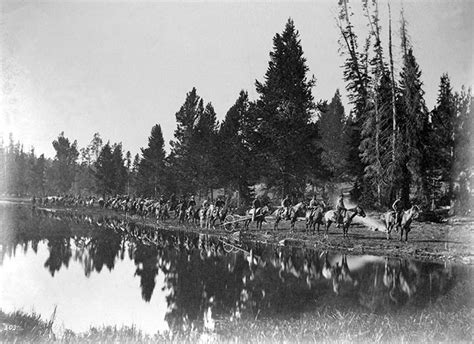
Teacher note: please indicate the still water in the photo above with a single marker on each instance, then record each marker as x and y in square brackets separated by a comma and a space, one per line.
[95, 271]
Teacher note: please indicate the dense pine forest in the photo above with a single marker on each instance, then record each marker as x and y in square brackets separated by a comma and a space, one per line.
[388, 144]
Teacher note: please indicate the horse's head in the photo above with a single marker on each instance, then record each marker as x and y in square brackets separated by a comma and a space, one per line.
[360, 211]
[414, 211]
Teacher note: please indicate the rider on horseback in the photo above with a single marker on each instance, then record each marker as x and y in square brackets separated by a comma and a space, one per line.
[219, 203]
[286, 204]
[340, 209]
[398, 209]
[313, 203]
[255, 206]
[191, 205]
[192, 202]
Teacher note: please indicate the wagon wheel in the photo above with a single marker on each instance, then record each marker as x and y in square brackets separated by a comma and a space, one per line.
[228, 224]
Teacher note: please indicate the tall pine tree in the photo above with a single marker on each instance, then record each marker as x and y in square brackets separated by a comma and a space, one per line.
[284, 111]
[151, 176]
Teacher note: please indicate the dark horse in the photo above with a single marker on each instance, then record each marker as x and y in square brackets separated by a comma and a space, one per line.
[259, 217]
[295, 212]
[314, 216]
[349, 215]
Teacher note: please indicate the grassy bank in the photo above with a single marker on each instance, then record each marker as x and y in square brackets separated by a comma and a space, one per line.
[450, 320]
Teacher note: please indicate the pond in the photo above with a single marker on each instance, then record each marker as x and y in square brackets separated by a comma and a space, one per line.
[96, 271]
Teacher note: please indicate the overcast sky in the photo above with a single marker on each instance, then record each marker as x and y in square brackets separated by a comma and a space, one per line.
[118, 68]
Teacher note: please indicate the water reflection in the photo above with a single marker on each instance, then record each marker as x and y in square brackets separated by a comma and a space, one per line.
[205, 279]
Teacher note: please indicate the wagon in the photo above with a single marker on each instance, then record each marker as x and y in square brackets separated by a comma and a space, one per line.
[233, 222]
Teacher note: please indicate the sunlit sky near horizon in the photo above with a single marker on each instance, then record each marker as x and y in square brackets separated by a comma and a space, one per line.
[118, 68]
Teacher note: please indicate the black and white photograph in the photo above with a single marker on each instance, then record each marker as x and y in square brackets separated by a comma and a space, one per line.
[236, 171]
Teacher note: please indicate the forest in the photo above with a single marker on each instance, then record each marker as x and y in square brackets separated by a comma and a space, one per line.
[387, 145]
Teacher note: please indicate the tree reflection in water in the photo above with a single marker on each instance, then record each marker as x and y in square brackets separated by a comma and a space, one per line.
[207, 278]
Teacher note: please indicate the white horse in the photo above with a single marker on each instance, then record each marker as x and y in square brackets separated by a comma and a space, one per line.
[349, 215]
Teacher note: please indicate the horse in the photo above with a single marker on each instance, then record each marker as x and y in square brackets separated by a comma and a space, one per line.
[295, 211]
[190, 215]
[314, 216]
[259, 217]
[407, 217]
[181, 213]
[349, 215]
[202, 212]
[214, 213]
[162, 212]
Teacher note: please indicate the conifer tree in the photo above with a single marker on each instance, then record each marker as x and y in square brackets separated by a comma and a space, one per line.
[234, 162]
[357, 76]
[443, 122]
[64, 163]
[284, 110]
[151, 176]
[119, 169]
[412, 118]
[333, 141]
[104, 167]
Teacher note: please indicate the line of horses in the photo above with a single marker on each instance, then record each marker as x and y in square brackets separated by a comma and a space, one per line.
[318, 216]
[207, 217]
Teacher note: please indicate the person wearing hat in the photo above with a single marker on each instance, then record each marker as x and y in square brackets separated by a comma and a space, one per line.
[256, 205]
[340, 208]
[286, 204]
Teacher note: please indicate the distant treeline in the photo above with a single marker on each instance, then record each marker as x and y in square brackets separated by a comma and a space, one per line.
[389, 145]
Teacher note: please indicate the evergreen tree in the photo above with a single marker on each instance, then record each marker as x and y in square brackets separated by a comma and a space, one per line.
[284, 111]
[333, 141]
[442, 144]
[412, 118]
[183, 159]
[235, 160]
[151, 176]
[119, 169]
[104, 167]
[204, 149]
[64, 163]
[463, 152]
[356, 74]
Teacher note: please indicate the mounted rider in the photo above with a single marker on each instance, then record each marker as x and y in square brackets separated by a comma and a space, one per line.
[219, 203]
[397, 207]
[255, 207]
[314, 203]
[191, 205]
[286, 205]
[340, 208]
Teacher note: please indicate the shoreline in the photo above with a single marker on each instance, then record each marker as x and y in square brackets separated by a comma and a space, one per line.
[436, 242]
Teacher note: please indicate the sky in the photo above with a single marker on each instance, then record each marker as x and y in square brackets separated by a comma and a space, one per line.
[118, 68]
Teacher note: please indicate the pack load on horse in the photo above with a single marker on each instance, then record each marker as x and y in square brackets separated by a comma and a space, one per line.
[346, 220]
[402, 222]
[290, 213]
[314, 213]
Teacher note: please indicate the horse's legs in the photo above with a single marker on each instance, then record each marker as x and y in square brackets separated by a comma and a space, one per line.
[328, 224]
[275, 226]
